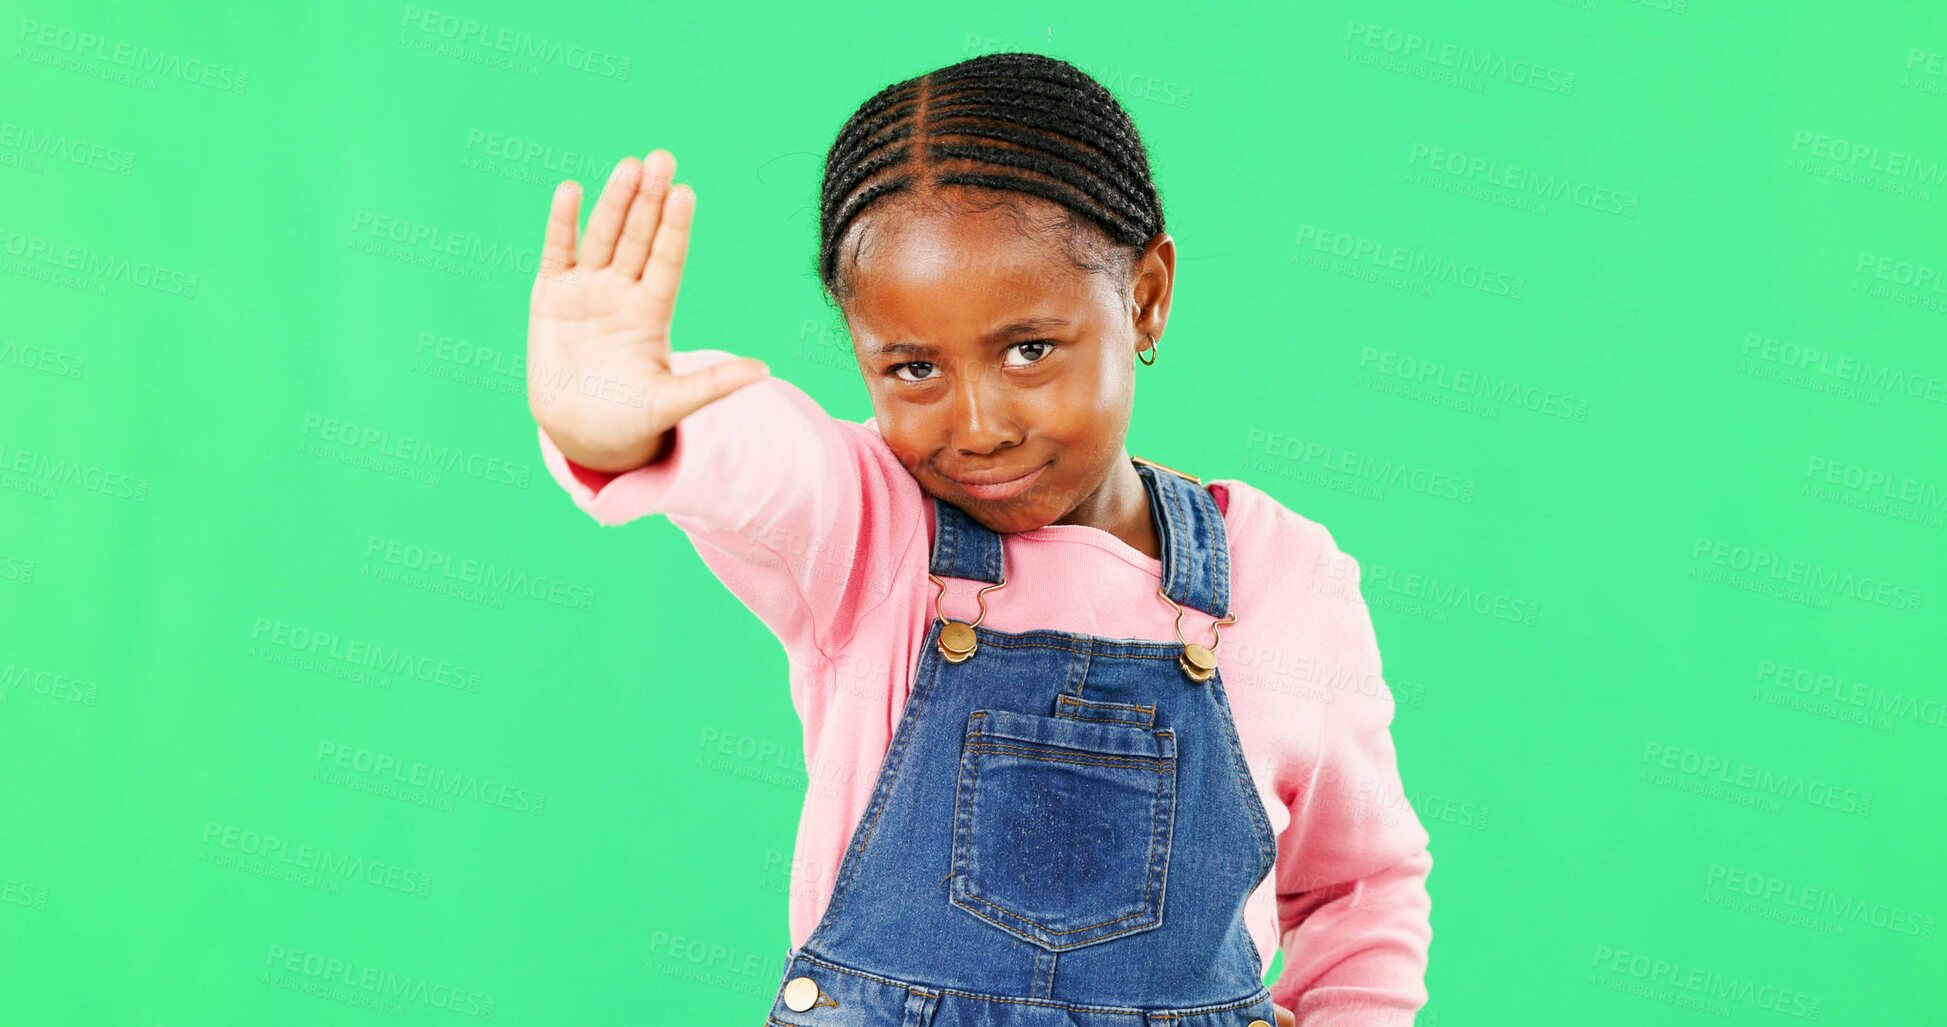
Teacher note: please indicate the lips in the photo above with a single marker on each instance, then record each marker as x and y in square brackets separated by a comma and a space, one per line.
[995, 486]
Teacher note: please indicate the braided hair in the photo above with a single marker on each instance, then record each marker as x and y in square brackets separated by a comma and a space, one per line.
[1010, 122]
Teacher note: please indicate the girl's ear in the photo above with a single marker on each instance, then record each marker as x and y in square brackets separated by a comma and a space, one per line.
[1150, 284]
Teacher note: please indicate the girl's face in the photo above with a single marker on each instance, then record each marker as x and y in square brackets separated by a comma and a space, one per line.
[1001, 374]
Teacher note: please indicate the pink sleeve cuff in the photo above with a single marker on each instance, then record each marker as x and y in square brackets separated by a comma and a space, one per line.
[662, 487]
[592, 479]
[610, 497]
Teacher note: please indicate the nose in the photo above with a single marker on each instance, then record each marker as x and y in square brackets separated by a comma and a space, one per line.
[983, 414]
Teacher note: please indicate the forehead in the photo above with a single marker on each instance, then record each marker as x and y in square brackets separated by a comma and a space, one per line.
[929, 268]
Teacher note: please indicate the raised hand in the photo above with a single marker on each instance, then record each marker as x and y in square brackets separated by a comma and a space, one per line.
[598, 377]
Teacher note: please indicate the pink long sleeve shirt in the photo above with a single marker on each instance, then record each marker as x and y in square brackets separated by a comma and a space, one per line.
[815, 525]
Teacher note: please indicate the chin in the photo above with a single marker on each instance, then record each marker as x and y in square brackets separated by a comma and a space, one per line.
[1007, 521]
[1021, 513]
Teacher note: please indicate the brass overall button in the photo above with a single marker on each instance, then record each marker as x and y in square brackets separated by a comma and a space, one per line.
[801, 993]
[957, 641]
[1198, 661]
[1257, 1023]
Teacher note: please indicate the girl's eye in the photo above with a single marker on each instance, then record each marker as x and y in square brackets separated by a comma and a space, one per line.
[899, 370]
[1040, 348]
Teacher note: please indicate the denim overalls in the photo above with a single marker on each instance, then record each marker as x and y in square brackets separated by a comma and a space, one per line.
[1063, 831]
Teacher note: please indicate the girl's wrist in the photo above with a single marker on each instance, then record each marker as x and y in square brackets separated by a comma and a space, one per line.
[612, 461]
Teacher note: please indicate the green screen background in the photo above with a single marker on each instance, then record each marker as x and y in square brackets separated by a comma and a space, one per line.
[1607, 335]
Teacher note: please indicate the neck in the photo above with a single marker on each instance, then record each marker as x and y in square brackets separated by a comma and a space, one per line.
[1120, 506]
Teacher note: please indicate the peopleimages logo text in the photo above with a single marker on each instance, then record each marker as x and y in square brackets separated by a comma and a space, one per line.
[1412, 45]
[1758, 562]
[1723, 770]
[516, 43]
[1361, 250]
[491, 577]
[413, 772]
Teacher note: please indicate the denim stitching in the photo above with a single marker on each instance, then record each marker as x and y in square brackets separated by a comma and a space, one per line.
[1241, 770]
[1196, 514]
[1039, 755]
[1033, 926]
[915, 706]
[963, 855]
[1059, 947]
[1172, 542]
[1256, 996]
[963, 824]
[942, 539]
[1219, 554]
[1190, 550]
[1189, 553]
[1075, 707]
[882, 788]
[1083, 642]
[970, 769]
[1156, 869]
[1078, 668]
[1056, 750]
[1163, 822]
[1131, 722]
[955, 542]
[1136, 649]
[1141, 707]
[1042, 981]
[1065, 741]
[962, 547]
[962, 863]
[1190, 520]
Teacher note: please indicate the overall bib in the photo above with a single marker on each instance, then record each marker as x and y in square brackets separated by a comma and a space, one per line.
[1063, 831]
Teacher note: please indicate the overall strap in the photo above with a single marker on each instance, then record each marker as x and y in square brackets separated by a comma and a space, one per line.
[964, 547]
[1196, 551]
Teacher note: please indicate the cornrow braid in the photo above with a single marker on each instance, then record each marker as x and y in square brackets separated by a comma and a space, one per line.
[1011, 122]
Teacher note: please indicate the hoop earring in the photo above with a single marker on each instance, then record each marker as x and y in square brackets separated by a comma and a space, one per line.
[1151, 351]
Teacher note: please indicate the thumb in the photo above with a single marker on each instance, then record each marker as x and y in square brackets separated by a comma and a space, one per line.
[691, 392]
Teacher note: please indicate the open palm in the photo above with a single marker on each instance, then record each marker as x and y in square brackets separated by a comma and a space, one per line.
[598, 377]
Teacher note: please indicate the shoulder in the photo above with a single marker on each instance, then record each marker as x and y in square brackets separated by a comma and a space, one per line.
[1265, 533]
[1297, 593]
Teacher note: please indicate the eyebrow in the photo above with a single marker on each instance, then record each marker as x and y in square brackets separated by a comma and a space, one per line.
[1007, 331]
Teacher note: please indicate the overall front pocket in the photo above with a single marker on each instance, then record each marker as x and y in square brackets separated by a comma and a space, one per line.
[1062, 827]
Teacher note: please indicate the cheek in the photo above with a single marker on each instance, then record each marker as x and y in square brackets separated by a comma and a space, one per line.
[909, 431]
[1118, 387]
[1100, 398]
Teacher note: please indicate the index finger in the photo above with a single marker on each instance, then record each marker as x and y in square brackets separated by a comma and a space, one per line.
[558, 249]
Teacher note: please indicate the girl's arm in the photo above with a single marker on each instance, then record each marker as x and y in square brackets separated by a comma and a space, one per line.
[801, 515]
[1353, 909]
[798, 513]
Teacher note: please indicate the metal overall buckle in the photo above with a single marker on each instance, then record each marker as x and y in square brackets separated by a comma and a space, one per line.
[1198, 661]
[957, 641]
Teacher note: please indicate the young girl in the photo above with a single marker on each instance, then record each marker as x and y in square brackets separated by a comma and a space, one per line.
[1090, 738]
